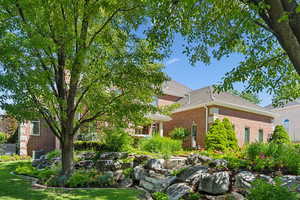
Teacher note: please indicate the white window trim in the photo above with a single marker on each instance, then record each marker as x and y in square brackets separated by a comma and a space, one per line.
[31, 128]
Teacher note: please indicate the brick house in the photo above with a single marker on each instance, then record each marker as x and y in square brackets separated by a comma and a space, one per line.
[288, 116]
[199, 108]
[36, 136]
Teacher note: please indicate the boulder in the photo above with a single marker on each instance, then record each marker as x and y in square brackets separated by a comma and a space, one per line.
[118, 175]
[178, 190]
[108, 165]
[145, 195]
[127, 182]
[191, 173]
[138, 173]
[84, 164]
[155, 164]
[140, 159]
[218, 163]
[156, 184]
[216, 183]
[113, 155]
[269, 179]
[291, 182]
[176, 162]
[244, 179]
[87, 156]
[231, 196]
[194, 159]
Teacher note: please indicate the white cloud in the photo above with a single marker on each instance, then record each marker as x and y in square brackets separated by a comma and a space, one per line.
[173, 60]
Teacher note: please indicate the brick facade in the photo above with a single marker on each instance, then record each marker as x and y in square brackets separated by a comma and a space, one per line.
[240, 120]
[46, 141]
[186, 119]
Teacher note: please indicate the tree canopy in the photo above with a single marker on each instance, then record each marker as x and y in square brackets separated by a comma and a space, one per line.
[72, 62]
[265, 32]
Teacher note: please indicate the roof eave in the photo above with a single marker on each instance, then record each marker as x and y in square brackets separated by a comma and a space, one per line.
[229, 105]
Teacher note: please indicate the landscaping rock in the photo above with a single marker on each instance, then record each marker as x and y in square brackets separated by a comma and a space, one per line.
[138, 172]
[291, 182]
[178, 190]
[194, 159]
[174, 163]
[266, 178]
[127, 182]
[145, 195]
[113, 155]
[216, 183]
[231, 196]
[244, 179]
[107, 165]
[189, 174]
[156, 184]
[118, 175]
[84, 164]
[87, 156]
[219, 163]
[155, 164]
[140, 159]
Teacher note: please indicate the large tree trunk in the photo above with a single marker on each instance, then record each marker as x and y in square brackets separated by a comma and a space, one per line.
[67, 148]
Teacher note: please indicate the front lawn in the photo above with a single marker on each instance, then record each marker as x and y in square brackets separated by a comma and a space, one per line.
[13, 187]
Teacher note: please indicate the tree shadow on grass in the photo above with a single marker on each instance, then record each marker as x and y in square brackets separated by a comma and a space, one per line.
[15, 188]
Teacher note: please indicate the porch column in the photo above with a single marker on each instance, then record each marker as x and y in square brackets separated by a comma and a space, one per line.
[150, 130]
[161, 129]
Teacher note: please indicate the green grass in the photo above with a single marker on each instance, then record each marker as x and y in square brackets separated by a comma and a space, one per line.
[15, 188]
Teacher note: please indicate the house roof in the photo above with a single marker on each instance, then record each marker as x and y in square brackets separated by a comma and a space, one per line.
[175, 89]
[289, 104]
[206, 96]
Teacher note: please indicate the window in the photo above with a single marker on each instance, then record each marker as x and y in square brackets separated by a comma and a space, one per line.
[286, 124]
[247, 136]
[35, 128]
[194, 130]
[260, 135]
[214, 110]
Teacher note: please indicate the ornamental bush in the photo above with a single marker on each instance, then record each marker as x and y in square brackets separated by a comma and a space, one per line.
[117, 140]
[280, 136]
[89, 145]
[164, 145]
[262, 190]
[179, 133]
[221, 136]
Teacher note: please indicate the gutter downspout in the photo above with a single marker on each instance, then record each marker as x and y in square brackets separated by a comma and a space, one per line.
[206, 118]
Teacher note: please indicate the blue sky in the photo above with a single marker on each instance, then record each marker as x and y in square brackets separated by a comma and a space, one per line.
[178, 68]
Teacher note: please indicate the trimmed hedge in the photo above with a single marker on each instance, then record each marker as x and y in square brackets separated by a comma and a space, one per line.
[7, 158]
[89, 145]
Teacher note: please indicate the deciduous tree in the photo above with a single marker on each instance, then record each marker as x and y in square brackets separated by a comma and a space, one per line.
[72, 62]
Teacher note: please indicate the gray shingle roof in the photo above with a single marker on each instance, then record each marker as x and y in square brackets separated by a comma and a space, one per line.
[175, 89]
[207, 95]
[292, 103]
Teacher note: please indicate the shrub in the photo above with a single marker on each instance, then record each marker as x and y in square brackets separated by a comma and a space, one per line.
[53, 154]
[232, 142]
[160, 196]
[3, 138]
[7, 158]
[117, 140]
[26, 169]
[163, 145]
[128, 172]
[79, 178]
[280, 136]
[179, 133]
[216, 137]
[221, 136]
[105, 180]
[89, 145]
[274, 156]
[261, 190]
